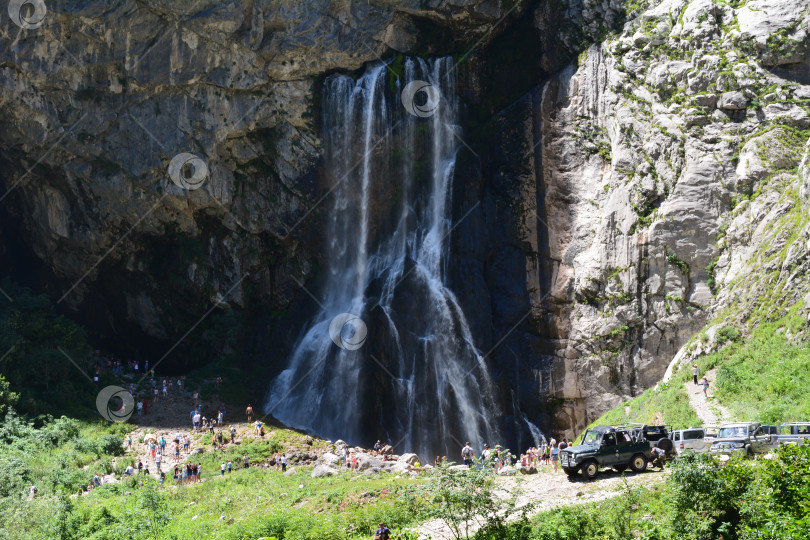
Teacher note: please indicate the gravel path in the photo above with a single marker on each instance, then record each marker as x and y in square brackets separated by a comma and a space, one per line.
[708, 410]
[549, 490]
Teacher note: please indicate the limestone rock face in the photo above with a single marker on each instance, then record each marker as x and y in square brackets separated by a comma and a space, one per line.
[636, 158]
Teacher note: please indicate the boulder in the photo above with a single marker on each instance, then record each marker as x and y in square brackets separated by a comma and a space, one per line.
[387, 449]
[410, 459]
[330, 459]
[323, 470]
[197, 451]
[291, 471]
[367, 461]
[528, 470]
[507, 471]
[733, 101]
[340, 443]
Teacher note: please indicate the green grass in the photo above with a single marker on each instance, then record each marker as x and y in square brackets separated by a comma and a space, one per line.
[64, 453]
[670, 399]
[764, 378]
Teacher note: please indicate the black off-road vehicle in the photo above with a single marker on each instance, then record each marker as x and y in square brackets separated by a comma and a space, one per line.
[605, 446]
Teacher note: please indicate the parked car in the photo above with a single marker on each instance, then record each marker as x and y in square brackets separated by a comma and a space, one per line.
[793, 432]
[605, 446]
[746, 438]
[655, 436]
[711, 431]
[692, 439]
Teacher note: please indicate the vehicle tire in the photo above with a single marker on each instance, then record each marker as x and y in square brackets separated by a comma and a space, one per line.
[665, 445]
[620, 468]
[638, 463]
[570, 471]
[749, 453]
[590, 469]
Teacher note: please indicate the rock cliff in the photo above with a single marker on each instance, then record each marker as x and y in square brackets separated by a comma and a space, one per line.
[649, 159]
[608, 206]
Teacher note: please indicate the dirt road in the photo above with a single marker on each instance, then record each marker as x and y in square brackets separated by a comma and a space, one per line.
[549, 490]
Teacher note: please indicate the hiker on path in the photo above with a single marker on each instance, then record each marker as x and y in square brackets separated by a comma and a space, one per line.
[284, 462]
[705, 383]
[245, 461]
[233, 434]
[694, 373]
[249, 413]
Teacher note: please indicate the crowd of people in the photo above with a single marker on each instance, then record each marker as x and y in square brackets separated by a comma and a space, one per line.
[547, 453]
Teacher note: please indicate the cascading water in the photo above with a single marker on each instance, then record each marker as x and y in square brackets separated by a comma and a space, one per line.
[418, 380]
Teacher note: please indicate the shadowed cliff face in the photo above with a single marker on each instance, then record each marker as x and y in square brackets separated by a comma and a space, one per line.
[97, 100]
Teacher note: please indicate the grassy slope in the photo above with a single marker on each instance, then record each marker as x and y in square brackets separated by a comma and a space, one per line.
[261, 502]
[763, 364]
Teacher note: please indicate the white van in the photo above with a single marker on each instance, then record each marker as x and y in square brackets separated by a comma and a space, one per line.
[693, 439]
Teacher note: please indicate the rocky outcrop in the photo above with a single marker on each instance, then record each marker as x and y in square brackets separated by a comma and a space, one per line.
[640, 157]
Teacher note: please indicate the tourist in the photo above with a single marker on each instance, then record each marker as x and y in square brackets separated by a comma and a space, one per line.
[555, 452]
[129, 442]
[140, 408]
[695, 373]
[705, 383]
[196, 420]
[245, 461]
[277, 460]
[467, 454]
[129, 470]
[382, 533]
[222, 469]
[659, 458]
[258, 427]
[377, 446]
[230, 466]
[344, 457]
[249, 413]
[233, 434]
[284, 462]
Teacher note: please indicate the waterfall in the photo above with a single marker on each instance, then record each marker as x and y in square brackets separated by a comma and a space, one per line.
[418, 379]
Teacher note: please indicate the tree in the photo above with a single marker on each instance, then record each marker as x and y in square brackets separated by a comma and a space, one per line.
[466, 500]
